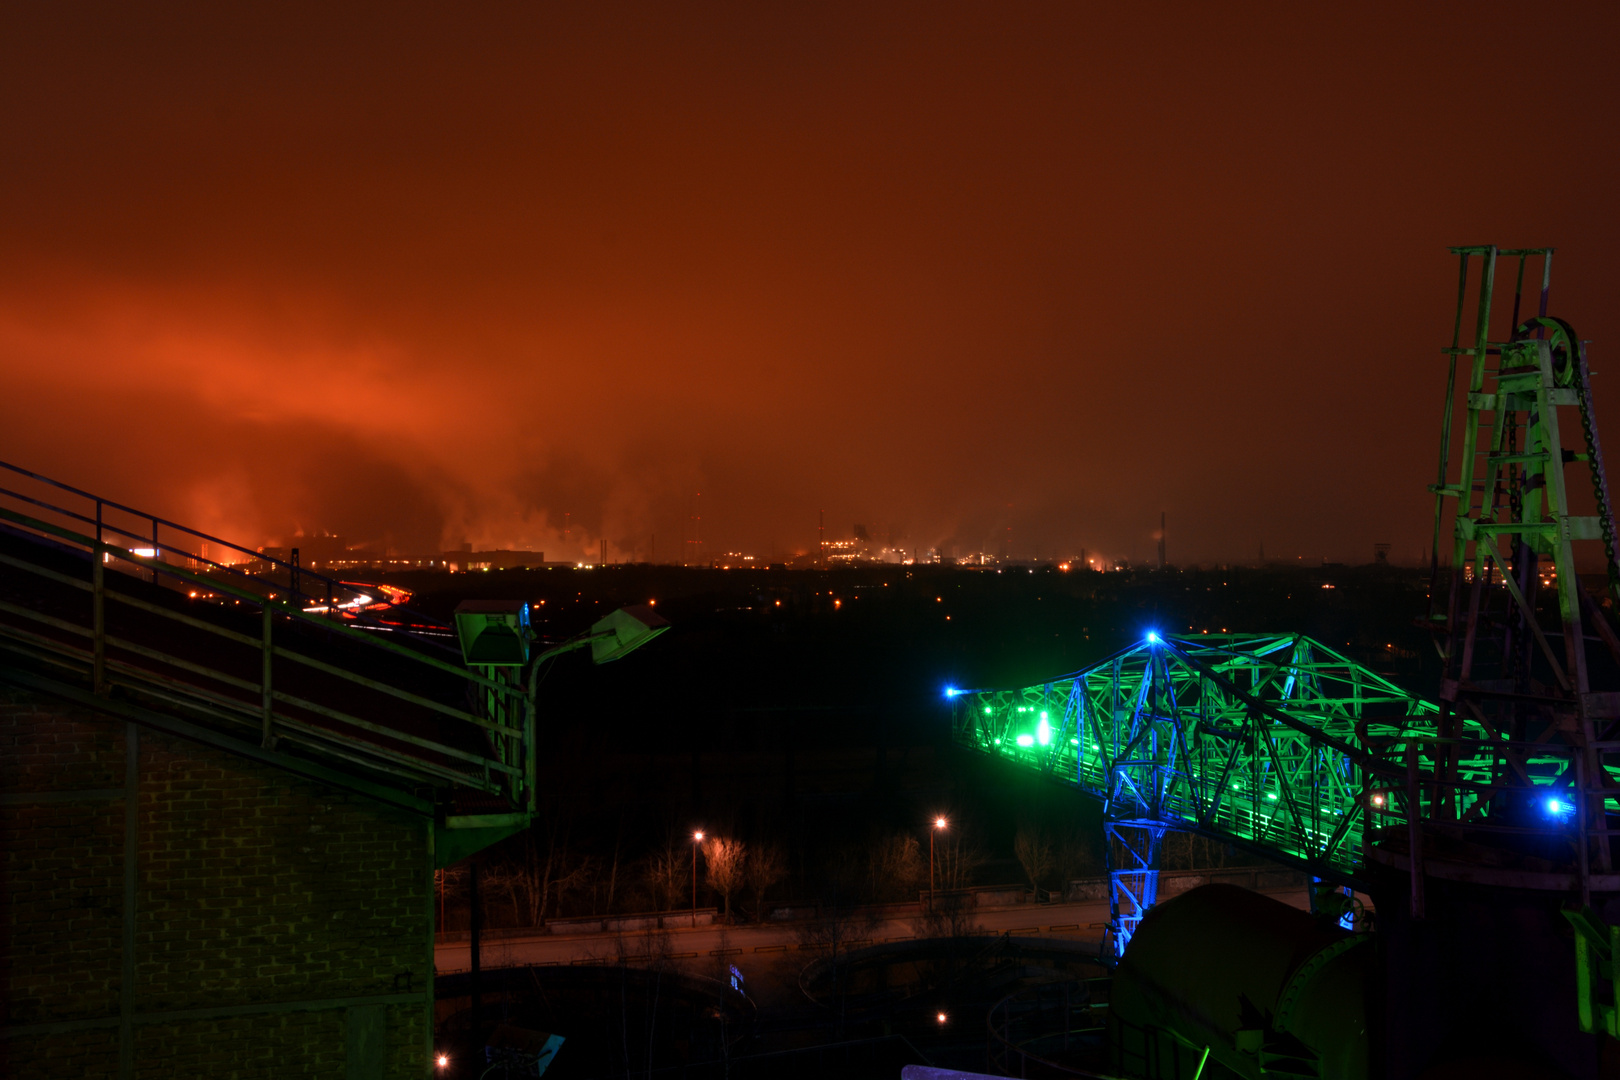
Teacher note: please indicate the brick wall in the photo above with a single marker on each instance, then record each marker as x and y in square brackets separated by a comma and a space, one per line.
[282, 927]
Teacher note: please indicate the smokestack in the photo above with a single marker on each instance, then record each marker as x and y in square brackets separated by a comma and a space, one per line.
[1161, 539]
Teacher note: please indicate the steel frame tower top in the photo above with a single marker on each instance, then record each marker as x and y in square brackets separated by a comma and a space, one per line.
[1509, 473]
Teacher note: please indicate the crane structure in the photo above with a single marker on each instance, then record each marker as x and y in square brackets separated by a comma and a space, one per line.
[1274, 742]
[1510, 483]
[1257, 740]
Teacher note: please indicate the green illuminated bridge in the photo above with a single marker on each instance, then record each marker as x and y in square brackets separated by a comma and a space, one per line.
[1273, 742]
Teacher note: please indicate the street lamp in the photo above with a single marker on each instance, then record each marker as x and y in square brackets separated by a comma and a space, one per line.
[939, 824]
[697, 841]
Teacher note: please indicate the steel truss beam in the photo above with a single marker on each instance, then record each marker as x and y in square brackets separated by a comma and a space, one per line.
[1260, 740]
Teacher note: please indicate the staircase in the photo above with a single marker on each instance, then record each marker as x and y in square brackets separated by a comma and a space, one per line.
[150, 619]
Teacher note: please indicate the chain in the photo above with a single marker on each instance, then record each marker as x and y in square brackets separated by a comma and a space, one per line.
[1594, 453]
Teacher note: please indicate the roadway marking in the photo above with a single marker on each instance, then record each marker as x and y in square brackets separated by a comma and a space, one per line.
[724, 952]
[770, 948]
[1097, 926]
[1066, 927]
[682, 955]
[1024, 930]
[907, 937]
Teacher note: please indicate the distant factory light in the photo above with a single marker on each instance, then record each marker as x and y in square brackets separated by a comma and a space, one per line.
[1026, 740]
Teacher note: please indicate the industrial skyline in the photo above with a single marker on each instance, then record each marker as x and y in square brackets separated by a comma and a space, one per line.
[960, 273]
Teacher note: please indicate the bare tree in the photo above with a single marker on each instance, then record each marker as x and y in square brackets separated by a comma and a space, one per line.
[665, 873]
[538, 878]
[956, 860]
[451, 881]
[897, 867]
[1033, 848]
[1079, 855]
[723, 868]
[765, 867]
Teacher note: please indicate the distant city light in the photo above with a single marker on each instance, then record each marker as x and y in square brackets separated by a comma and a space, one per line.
[443, 1060]
[941, 1017]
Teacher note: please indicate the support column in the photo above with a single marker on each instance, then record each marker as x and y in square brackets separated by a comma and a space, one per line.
[474, 942]
[1133, 849]
[126, 983]
[429, 1040]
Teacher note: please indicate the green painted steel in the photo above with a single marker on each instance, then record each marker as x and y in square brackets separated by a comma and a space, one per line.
[1271, 741]
[1264, 740]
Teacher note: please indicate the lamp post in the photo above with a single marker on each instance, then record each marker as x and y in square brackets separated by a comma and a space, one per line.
[697, 839]
[939, 824]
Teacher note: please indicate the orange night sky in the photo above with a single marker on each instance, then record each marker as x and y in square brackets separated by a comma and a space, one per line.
[944, 270]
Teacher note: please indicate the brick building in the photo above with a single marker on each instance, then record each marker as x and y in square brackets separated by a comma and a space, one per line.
[221, 808]
[279, 925]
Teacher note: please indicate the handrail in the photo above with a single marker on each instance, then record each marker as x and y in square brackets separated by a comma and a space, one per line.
[281, 606]
[1003, 1045]
[334, 586]
[505, 768]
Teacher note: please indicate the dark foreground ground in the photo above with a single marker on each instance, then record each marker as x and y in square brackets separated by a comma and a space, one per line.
[802, 713]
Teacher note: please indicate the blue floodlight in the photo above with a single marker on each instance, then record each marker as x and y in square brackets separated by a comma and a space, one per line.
[1153, 638]
[1559, 808]
[951, 691]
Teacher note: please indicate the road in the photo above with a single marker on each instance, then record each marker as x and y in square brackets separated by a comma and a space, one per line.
[1079, 921]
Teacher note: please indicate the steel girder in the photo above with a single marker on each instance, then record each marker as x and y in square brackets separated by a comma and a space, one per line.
[1273, 742]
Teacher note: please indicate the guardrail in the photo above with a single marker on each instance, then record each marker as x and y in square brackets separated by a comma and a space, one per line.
[1031, 1028]
[161, 541]
[183, 630]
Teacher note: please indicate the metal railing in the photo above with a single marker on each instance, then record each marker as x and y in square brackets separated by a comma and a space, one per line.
[160, 540]
[180, 629]
[1039, 1030]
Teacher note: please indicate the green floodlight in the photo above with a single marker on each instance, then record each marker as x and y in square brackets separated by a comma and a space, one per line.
[494, 633]
[622, 631]
[611, 637]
